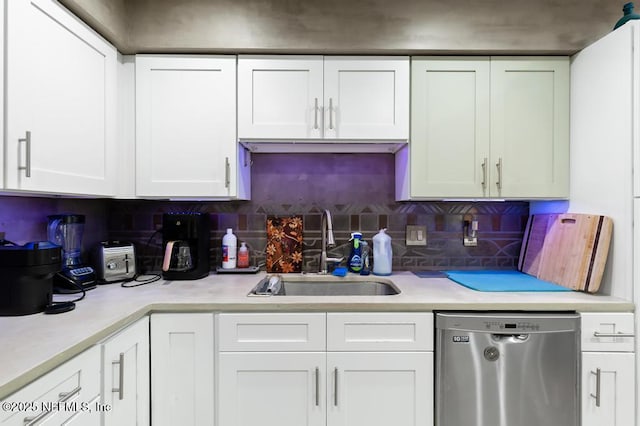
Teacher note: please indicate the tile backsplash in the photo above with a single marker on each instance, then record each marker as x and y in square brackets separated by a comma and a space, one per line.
[358, 189]
[359, 192]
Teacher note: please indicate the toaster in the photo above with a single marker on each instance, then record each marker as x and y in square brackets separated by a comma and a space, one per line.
[115, 261]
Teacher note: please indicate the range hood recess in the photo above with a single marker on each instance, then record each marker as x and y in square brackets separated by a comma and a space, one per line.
[329, 146]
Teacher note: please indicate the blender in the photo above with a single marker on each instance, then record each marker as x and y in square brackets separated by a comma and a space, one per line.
[66, 231]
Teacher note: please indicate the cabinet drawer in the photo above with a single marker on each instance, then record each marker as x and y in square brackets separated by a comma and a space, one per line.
[272, 332]
[60, 394]
[380, 331]
[597, 331]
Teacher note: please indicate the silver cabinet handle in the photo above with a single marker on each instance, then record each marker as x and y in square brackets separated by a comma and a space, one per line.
[317, 387]
[120, 388]
[598, 334]
[484, 174]
[315, 120]
[227, 173]
[335, 386]
[330, 113]
[63, 397]
[597, 395]
[27, 166]
[499, 166]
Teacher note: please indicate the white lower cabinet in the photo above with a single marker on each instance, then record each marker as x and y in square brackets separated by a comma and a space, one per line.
[125, 376]
[272, 388]
[68, 394]
[608, 371]
[380, 388]
[182, 379]
[608, 389]
[326, 382]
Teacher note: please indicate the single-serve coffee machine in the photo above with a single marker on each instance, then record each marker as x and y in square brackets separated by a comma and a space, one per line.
[66, 231]
[185, 240]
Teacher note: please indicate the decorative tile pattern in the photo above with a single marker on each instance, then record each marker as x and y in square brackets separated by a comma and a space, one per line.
[357, 189]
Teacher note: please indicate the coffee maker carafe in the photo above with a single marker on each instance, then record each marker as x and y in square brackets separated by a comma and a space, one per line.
[66, 231]
[185, 240]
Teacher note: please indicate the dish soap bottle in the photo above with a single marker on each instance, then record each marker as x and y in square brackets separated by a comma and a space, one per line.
[229, 247]
[243, 255]
[355, 257]
[382, 253]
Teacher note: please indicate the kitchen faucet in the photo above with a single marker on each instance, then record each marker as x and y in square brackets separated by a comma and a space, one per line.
[327, 241]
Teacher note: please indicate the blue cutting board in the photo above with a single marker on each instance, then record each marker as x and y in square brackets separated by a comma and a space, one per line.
[502, 281]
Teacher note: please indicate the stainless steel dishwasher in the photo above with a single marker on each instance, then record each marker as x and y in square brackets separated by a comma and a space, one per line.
[507, 369]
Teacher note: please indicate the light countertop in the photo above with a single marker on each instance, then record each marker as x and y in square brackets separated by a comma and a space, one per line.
[34, 344]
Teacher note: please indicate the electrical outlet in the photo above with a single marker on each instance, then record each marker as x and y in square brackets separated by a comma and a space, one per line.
[470, 233]
[416, 235]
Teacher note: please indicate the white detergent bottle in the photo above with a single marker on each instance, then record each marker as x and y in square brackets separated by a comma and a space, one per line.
[382, 253]
[229, 250]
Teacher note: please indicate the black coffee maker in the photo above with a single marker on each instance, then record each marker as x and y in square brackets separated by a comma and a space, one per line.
[185, 241]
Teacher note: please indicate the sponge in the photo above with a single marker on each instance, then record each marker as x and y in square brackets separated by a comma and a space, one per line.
[340, 272]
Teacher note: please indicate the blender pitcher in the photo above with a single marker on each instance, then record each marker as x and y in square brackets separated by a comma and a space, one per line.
[66, 231]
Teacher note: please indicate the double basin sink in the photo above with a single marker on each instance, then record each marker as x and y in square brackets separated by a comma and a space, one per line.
[323, 285]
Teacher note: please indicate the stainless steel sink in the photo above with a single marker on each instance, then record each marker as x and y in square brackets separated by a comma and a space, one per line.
[319, 285]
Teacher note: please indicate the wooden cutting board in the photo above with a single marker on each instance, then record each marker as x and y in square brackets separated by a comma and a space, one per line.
[534, 235]
[567, 249]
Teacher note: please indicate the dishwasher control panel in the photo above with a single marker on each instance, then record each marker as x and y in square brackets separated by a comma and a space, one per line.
[508, 323]
[511, 326]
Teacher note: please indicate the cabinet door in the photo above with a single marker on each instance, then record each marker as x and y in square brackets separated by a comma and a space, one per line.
[185, 126]
[182, 369]
[529, 127]
[272, 389]
[380, 389]
[366, 97]
[61, 102]
[450, 127]
[279, 97]
[125, 369]
[608, 389]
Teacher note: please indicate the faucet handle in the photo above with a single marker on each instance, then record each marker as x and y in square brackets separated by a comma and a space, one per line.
[334, 259]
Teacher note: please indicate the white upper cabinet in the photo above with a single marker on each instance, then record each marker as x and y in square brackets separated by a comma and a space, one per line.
[60, 102]
[186, 126]
[529, 127]
[315, 97]
[490, 127]
[279, 97]
[366, 98]
[450, 126]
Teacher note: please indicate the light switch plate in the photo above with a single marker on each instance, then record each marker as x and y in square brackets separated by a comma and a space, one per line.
[416, 235]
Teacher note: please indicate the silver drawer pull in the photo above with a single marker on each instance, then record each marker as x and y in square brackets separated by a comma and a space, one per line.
[227, 173]
[315, 109]
[335, 387]
[598, 334]
[27, 142]
[63, 397]
[120, 388]
[317, 387]
[330, 113]
[597, 395]
[484, 174]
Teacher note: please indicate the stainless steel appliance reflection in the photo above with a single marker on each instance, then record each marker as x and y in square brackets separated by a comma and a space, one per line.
[505, 369]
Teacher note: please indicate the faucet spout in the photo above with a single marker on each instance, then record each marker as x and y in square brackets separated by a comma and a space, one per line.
[328, 240]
